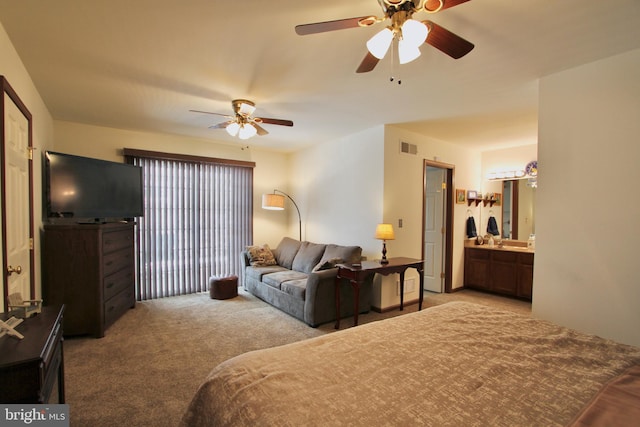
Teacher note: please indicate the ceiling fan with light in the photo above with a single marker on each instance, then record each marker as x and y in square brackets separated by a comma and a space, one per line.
[242, 124]
[409, 33]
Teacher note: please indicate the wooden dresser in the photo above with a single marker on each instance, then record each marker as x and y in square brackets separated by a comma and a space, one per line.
[90, 269]
[31, 367]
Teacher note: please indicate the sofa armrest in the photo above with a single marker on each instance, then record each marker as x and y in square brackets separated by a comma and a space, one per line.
[244, 259]
[319, 302]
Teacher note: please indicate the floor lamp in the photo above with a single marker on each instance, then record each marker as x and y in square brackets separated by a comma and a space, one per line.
[275, 202]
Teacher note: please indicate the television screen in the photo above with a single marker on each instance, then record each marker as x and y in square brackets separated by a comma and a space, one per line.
[91, 190]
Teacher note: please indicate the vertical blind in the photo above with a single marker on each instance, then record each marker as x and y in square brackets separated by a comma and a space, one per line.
[197, 220]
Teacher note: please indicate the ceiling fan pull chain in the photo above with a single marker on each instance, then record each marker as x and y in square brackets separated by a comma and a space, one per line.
[393, 65]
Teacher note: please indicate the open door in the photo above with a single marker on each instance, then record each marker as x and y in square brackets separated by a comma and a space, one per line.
[17, 197]
[437, 226]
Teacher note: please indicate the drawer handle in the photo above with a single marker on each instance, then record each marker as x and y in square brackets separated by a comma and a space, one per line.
[109, 285]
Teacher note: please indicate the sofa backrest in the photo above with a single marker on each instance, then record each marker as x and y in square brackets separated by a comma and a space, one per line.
[305, 256]
[286, 252]
[308, 256]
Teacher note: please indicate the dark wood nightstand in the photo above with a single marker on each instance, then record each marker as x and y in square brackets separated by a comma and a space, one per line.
[30, 367]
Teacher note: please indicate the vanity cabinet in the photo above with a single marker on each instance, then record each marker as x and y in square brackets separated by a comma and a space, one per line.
[507, 272]
[90, 268]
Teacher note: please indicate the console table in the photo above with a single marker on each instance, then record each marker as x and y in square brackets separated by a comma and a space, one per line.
[30, 367]
[356, 274]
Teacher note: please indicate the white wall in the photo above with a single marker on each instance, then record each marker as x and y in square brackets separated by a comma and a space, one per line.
[270, 172]
[12, 68]
[338, 187]
[404, 191]
[587, 217]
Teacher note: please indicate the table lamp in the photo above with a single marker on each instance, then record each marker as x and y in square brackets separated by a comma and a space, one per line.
[384, 232]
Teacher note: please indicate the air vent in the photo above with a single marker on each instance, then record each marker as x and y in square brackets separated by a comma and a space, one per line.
[405, 147]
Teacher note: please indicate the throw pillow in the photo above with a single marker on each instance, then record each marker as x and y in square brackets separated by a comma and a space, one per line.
[326, 265]
[260, 256]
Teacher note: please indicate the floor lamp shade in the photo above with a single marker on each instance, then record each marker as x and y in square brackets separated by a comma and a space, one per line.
[273, 202]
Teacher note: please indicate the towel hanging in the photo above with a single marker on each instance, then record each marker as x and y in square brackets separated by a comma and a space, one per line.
[471, 227]
[492, 226]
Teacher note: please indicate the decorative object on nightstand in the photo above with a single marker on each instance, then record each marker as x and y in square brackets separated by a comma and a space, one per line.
[275, 202]
[384, 232]
[24, 308]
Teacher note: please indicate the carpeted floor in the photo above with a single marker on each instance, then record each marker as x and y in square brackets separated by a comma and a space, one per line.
[151, 361]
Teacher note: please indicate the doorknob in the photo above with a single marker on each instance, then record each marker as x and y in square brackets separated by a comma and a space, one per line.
[11, 270]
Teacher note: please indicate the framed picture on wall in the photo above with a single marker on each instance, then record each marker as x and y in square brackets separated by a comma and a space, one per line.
[498, 198]
[461, 195]
[471, 194]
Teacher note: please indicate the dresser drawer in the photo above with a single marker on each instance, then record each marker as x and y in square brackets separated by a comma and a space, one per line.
[118, 305]
[115, 240]
[116, 261]
[117, 282]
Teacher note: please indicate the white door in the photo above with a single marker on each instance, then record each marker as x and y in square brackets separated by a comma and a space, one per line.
[434, 229]
[16, 212]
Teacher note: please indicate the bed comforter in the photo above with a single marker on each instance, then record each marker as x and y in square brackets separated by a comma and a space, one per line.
[458, 364]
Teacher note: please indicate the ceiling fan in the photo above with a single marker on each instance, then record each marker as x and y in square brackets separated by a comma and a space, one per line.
[409, 32]
[242, 124]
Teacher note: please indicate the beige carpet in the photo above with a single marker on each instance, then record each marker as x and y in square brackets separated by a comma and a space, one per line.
[150, 362]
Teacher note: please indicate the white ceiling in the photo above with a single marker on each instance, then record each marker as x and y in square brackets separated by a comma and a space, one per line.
[142, 64]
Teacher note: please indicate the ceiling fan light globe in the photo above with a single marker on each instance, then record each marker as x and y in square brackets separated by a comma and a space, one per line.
[407, 52]
[247, 131]
[378, 45]
[414, 32]
[246, 109]
[233, 128]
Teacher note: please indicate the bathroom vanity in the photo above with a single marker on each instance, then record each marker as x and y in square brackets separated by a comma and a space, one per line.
[506, 270]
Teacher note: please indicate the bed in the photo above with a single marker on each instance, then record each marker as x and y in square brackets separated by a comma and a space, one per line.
[458, 364]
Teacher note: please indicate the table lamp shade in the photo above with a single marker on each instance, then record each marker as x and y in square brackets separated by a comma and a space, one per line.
[385, 232]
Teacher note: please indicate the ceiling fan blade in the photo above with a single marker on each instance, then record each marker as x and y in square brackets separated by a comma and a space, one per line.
[446, 41]
[273, 121]
[368, 63]
[209, 112]
[434, 4]
[261, 131]
[323, 27]
[222, 125]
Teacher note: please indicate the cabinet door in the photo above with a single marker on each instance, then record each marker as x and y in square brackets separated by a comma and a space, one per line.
[504, 276]
[525, 276]
[476, 268]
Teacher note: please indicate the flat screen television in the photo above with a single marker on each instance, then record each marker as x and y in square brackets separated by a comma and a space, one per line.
[91, 190]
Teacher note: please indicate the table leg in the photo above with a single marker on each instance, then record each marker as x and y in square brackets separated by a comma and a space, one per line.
[421, 298]
[337, 286]
[402, 290]
[356, 301]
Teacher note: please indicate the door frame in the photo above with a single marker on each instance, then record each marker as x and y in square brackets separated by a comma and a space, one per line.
[8, 90]
[448, 218]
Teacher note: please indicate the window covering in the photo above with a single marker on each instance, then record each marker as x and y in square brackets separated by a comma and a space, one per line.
[197, 220]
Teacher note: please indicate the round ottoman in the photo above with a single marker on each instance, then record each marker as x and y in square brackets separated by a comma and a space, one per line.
[223, 287]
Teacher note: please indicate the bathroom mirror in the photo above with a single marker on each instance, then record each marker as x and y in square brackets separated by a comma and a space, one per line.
[518, 209]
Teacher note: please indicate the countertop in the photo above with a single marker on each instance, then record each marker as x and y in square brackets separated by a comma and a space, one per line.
[517, 247]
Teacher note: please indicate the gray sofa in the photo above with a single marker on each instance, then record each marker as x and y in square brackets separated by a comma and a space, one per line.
[299, 279]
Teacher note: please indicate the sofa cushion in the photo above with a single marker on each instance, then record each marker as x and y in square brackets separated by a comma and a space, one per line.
[308, 256]
[258, 272]
[295, 288]
[276, 279]
[260, 256]
[336, 254]
[286, 252]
